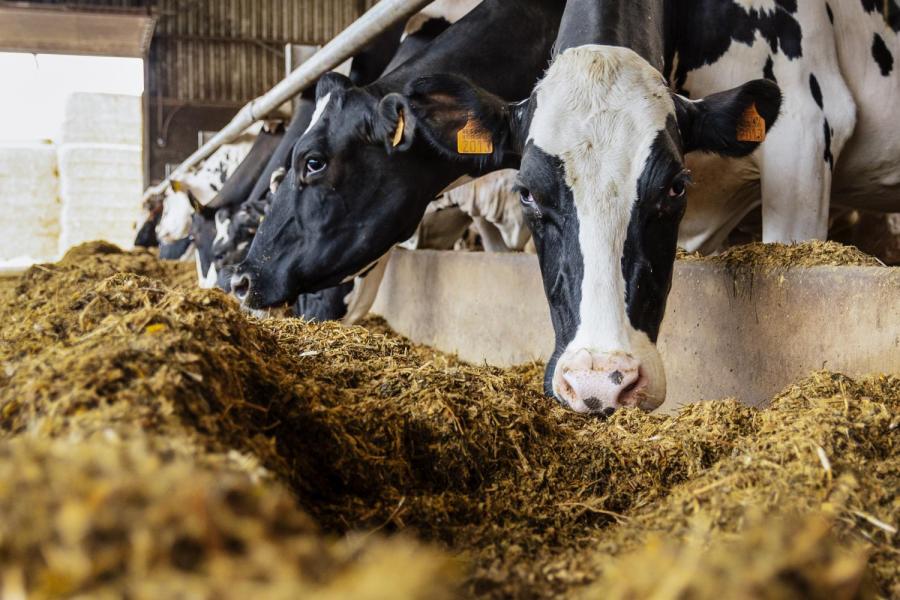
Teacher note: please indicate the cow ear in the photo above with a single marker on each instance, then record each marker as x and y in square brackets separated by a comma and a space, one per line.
[459, 119]
[731, 123]
[396, 124]
[206, 212]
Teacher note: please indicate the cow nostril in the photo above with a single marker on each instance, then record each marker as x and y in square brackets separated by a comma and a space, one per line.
[240, 286]
[593, 404]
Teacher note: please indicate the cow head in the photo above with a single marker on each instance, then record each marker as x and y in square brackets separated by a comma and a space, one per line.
[603, 185]
[359, 181]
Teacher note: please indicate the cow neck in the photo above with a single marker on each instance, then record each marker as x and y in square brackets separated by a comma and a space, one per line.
[637, 24]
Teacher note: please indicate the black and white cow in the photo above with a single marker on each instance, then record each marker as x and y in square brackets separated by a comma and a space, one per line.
[836, 144]
[363, 175]
[603, 181]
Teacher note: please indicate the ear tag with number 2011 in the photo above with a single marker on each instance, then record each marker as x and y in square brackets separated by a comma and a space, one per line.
[472, 139]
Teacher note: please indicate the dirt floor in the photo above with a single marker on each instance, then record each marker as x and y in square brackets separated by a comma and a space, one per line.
[155, 441]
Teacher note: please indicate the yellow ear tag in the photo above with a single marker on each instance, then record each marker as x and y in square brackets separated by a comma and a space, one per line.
[398, 135]
[471, 139]
[176, 186]
[752, 127]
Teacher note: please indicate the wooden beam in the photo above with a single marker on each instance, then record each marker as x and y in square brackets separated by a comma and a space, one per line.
[62, 31]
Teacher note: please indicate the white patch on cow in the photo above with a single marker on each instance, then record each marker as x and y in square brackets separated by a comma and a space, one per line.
[205, 181]
[868, 173]
[321, 105]
[759, 5]
[449, 10]
[175, 221]
[600, 109]
[209, 280]
[276, 179]
[222, 225]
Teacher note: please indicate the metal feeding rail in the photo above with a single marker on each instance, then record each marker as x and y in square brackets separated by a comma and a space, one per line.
[347, 44]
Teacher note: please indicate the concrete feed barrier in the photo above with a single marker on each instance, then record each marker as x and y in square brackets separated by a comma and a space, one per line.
[721, 337]
[100, 186]
[29, 197]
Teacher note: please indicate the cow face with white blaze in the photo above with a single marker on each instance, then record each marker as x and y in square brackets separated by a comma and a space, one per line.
[329, 221]
[603, 185]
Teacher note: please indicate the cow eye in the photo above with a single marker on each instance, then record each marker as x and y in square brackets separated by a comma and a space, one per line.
[526, 197]
[315, 165]
[679, 185]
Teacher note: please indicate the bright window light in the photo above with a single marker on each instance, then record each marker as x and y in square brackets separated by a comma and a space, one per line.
[37, 85]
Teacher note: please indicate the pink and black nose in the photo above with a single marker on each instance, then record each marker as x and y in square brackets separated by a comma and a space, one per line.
[598, 383]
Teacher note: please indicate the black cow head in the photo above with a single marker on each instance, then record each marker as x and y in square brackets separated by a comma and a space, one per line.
[359, 182]
[603, 186]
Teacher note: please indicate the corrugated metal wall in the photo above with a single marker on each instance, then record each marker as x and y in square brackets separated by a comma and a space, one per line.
[229, 51]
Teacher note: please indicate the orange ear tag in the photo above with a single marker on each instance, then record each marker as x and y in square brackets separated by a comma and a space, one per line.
[471, 139]
[398, 135]
[752, 127]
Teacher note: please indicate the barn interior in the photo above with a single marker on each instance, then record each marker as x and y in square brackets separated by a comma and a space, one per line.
[160, 440]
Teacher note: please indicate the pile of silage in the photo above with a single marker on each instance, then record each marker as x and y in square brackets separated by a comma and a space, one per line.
[773, 257]
[371, 432]
[137, 451]
[105, 519]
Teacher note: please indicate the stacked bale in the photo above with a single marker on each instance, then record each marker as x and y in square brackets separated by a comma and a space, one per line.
[100, 169]
[29, 195]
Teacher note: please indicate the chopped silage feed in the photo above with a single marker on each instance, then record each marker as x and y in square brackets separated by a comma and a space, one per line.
[772, 257]
[133, 403]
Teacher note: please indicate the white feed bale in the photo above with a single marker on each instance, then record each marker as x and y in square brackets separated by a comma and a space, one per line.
[29, 203]
[102, 119]
[100, 187]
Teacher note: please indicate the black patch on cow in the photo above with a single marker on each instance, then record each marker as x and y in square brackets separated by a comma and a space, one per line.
[871, 5]
[146, 235]
[325, 305]
[176, 250]
[433, 27]
[816, 90]
[769, 70]
[788, 5]
[554, 224]
[882, 55]
[648, 259]
[829, 157]
[724, 23]
[830, 13]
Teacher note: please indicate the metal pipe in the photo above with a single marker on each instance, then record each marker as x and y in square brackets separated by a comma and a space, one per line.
[345, 45]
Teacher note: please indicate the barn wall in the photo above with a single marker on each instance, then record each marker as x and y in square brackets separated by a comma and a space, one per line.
[209, 57]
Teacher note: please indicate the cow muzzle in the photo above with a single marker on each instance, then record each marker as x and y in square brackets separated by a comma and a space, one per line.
[601, 383]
